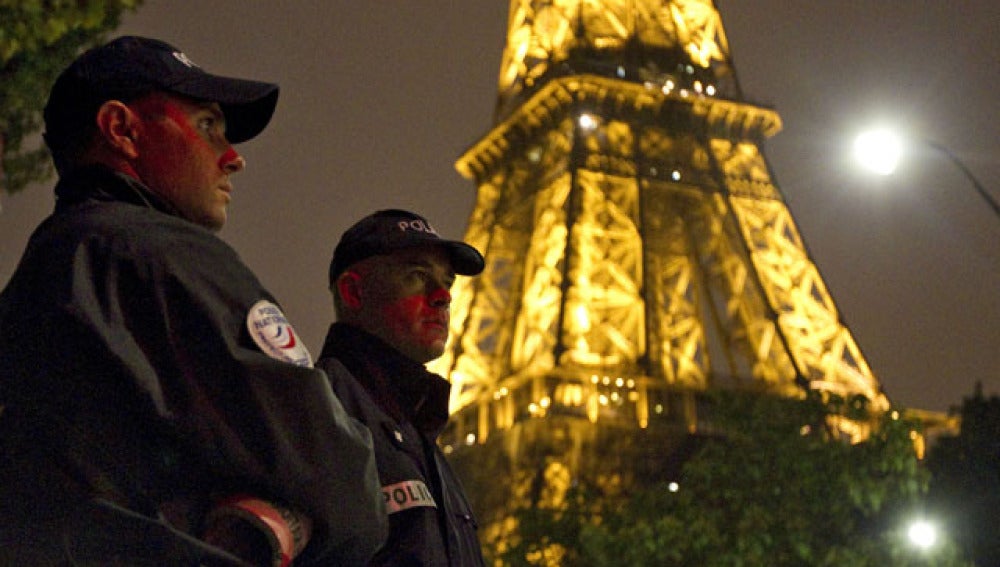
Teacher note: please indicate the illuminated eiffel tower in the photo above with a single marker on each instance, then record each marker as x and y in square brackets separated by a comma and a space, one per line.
[638, 252]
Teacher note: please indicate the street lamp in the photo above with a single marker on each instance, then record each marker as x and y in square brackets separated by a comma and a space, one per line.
[922, 534]
[879, 151]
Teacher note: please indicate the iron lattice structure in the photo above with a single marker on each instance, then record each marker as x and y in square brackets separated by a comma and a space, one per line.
[638, 249]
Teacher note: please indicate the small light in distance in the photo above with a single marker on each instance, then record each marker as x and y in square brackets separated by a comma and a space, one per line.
[587, 121]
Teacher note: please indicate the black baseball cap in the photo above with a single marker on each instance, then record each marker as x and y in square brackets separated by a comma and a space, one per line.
[131, 66]
[387, 231]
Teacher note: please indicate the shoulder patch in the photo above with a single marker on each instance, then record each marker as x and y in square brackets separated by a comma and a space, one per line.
[407, 494]
[275, 336]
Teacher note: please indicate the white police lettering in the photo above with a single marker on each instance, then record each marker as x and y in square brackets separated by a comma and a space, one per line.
[417, 225]
[405, 495]
[274, 334]
[183, 59]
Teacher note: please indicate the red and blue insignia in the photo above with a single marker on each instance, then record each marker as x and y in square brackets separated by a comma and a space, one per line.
[275, 336]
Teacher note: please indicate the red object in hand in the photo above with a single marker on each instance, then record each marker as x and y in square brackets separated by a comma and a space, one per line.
[286, 533]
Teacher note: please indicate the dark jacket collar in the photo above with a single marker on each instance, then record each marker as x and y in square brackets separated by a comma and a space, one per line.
[400, 386]
[101, 183]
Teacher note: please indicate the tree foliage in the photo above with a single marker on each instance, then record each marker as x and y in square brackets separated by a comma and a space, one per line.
[965, 486]
[776, 486]
[38, 38]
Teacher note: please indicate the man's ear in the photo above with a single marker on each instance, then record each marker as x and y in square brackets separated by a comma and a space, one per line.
[349, 287]
[119, 125]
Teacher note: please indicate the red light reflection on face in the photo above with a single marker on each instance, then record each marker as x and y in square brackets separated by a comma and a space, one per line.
[417, 324]
[228, 157]
[406, 300]
[184, 157]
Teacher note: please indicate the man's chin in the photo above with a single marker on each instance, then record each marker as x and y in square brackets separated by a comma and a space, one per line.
[213, 221]
[431, 352]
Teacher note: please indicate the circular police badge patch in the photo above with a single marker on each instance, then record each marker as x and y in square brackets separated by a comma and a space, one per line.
[274, 334]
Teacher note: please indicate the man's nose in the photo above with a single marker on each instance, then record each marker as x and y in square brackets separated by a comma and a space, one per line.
[231, 161]
[440, 297]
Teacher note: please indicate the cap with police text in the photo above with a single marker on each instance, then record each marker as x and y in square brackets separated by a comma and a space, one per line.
[387, 231]
[132, 66]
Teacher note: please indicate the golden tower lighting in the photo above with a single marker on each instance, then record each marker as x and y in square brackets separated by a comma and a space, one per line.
[638, 248]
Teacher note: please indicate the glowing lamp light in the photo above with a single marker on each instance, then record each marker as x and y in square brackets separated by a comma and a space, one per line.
[587, 121]
[922, 534]
[878, 151]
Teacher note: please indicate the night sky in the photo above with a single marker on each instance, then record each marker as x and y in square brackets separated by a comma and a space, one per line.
[380, 97]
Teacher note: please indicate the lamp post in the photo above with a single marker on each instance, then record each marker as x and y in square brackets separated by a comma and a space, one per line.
[922, 534]
[879, 151]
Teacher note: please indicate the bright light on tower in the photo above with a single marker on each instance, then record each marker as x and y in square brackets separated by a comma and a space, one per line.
[922, 534]
[878, 151]
[587, 121]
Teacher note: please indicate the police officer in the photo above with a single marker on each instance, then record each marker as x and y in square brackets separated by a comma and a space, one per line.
[156, 406]
[390, 277]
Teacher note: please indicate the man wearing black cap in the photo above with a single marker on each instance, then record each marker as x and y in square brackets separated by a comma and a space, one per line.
[156, 407]
[390, 278]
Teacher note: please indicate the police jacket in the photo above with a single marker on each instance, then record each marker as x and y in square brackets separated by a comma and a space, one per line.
[146, 373]
[405, 407]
